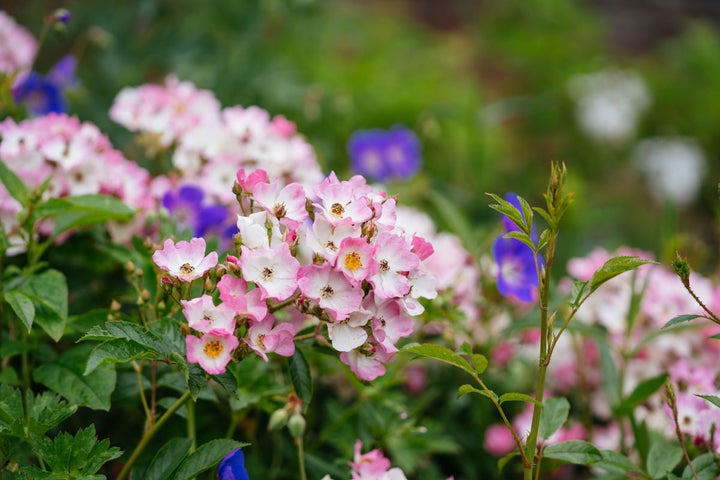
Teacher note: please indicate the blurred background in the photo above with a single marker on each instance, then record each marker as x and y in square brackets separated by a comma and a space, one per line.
[625, 94]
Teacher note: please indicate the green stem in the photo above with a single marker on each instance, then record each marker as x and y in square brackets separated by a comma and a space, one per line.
[191, 430]
[301, 458]
[151, 433]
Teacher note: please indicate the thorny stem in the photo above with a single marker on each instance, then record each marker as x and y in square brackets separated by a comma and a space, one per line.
[151, 433]
[673, 406]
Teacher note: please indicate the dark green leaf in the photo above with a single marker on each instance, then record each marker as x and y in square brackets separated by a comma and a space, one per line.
[578, 452]
[614, 267]
[4, 241]
[167, 459]
[205, 458]
[12, 415]
[555, 412]
[46, 411]
[48, 290]
[76, 456]
[65, 376]
[711, 398]
[132, 332]
[681, 319]
[15, 187]
[23, 307]
[662, 458]
[301, 377]
[117, 351]
[83, 210]
[504, 460]
[640, 394]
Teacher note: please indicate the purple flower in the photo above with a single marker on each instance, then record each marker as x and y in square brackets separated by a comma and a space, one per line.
[43, 94]
[187, 208]
[385, 154]
[232, 467]
[517, 272]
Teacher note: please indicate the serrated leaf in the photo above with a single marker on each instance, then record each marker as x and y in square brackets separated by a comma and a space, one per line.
[521, 237]
[77, 456]
[641, 392]
[300, 376]
[681, 319]
[117, 351]
[12, 416]
[15, 187]
[129, 331]
[508, 209]
[46, 411]
[440, 353]
[168, 459]
[23, 307]
[662, 458]
[614, 267]
[516, 397]
[49, 292]
[65, 376]
[578, 452]
[205, 457]
[710, 398]
[554, 413]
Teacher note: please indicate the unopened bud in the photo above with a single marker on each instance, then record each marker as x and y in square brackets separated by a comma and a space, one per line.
[278, 419]
[682, 269]
[296, 425]
[145, 294]
[115, 305]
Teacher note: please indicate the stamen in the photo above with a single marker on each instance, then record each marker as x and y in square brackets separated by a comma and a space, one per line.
[213, 349]
[186, 269]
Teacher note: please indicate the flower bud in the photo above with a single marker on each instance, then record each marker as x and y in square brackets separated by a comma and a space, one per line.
[296, 425]
[278, 419]
[682, 269]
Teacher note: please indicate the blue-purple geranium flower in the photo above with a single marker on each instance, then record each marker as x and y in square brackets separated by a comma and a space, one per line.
[43, 94]
[232, 467]
[187, 207]
[384, 155]
[517, 270]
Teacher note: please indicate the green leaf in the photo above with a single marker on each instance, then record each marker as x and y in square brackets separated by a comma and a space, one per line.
[521, 237]
[167, 459]
[578, 452]
[46, 411]
[465, 389]
[75, 456]
[12, 415]
[301, 377]
[480, 362]
[4, 241]
[577, 292]
[711, 398]
[554, 413]
[23, 307]
[640, 394]
[83, 210]
[205, 458]
[516, 397]
[15, 187]
[663, 458]
[49, 292]
[440, 353]
[131, 332]
[704, 465]
[681, 319]
[509, 210]
[65, 376]
[615, 462]
[504, 460]
[117, 351]
[614, 267]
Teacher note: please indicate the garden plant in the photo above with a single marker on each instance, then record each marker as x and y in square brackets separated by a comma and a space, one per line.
[210, 301]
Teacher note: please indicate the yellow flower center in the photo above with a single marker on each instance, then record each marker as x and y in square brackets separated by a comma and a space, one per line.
[337, 209]
[213, 349]
[186, 269]
[353, 261]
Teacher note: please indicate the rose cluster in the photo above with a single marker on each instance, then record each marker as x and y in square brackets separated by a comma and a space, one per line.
[333, 252]
[74, 156]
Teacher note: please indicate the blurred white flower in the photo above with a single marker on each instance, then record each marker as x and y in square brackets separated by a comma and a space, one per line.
[609, 104]
[674, 168]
